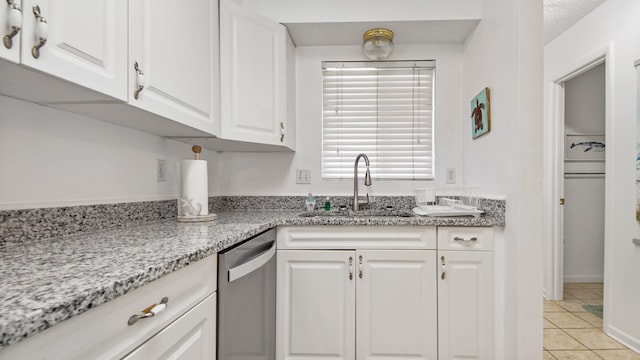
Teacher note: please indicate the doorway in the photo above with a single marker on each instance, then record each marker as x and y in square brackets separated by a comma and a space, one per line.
[576, 115]
[584, 177]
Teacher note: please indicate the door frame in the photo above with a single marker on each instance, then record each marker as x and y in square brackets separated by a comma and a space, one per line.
[554, 168]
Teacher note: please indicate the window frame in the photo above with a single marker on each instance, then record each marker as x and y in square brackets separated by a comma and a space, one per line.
[430, 121]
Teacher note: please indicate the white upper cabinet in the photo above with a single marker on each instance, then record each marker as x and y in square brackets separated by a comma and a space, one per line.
[175, 47]
[155, 66]
[10, 28]
[84, 42]
[253, 67]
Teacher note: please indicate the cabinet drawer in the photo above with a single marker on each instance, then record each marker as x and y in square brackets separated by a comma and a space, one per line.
[103, 332]
[465, 238]
[356, 237]
[189, 337]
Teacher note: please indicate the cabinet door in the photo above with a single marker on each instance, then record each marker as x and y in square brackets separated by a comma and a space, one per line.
[253, 76]
[396, 305]
[86, 42]
[190, 337]
[315, 305]
[175, 45]
[10, 11]
[465, 305]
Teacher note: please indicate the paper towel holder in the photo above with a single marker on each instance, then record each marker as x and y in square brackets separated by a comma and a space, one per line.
[197, 149]
[187, 203]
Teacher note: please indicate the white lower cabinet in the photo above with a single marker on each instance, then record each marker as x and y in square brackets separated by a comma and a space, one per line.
[465, 297]
[396, 307]
[191, 337]
[185, 329]
[365, 293]
[366, 303]
[316, 305]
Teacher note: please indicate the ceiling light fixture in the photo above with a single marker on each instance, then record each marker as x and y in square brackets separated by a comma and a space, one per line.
[378, 43]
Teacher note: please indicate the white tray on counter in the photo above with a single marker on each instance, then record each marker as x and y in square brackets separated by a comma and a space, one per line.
[447, 211]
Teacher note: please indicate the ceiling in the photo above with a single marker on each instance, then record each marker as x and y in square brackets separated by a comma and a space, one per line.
[559, 15]
[405, 32]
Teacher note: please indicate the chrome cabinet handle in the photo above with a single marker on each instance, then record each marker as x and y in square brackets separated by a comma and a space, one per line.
[360, 267]
[281, 131]
[458, 238]
[443, 268]
[151, 311]
[139, 80]
[15, 23]
[42, 31]
[350, 268]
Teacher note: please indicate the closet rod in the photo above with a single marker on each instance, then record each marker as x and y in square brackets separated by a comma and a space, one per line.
[583, 175]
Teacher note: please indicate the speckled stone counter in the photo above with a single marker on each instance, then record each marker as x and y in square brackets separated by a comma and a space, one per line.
[47, 281]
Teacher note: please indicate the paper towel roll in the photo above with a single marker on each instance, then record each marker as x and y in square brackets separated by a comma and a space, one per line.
[194, 186]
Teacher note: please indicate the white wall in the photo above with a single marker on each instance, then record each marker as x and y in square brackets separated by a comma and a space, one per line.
[584, 102]
[612, 29]
[53, 158]
[505, 54]
[293, 11]
[275, 172]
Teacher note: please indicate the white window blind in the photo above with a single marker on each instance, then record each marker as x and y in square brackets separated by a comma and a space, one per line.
[382, 109]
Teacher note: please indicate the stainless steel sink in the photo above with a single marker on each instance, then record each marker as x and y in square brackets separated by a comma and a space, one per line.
[359, 213]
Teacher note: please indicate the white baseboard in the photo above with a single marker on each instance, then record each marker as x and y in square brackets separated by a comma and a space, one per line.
[583, 278]
[623, 338]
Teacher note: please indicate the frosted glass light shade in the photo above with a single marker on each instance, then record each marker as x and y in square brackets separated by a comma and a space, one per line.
[377, 43]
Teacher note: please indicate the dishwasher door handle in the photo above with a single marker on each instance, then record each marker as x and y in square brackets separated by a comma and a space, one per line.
[256, 263]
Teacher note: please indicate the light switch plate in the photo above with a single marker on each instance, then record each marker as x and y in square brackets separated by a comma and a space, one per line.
[161, 171]
[303, 176]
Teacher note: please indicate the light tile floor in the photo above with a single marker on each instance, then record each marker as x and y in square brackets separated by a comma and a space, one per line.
[572, 333]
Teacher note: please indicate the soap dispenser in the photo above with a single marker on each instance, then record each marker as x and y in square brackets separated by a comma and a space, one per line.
[310, 203]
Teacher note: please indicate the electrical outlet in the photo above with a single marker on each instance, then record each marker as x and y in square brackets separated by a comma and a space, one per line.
[303, 176]
[161, 170]
[451, 176]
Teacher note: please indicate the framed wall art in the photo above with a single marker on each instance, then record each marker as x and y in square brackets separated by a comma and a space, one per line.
[480, 114]
[584, 147]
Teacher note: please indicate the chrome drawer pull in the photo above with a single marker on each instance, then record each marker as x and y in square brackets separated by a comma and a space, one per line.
[281, 132]
[458, 238]
[42, 32]
[151, 311]
[15, 23]
[139, 80]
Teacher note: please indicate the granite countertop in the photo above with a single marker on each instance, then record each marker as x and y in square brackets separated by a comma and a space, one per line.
[47, 281]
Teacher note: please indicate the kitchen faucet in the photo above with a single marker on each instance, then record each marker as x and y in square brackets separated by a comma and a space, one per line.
[367, 182]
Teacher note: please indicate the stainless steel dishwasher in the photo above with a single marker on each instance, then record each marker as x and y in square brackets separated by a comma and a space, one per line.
[247, 299]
